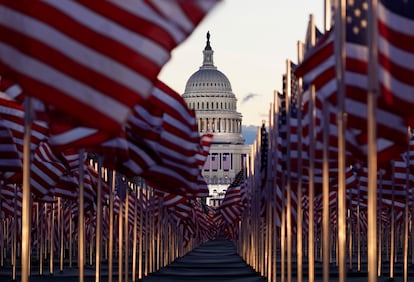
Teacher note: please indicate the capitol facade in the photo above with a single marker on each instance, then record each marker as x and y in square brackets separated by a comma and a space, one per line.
[208, 92]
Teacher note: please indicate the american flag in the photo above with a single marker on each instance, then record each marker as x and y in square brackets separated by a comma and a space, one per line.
[318, 68]
[396, 54]
[179, 146]
[392, 132]
[232, 205]
[10, 157]
[46, 169]
[86, 57]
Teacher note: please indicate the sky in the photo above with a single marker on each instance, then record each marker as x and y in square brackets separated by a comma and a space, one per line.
[251, 39]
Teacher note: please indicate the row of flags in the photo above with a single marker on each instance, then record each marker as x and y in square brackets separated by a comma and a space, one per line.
[92, 82]
[91, 71]
[287, 175]
[319, 70]
[91, 74]
[79, 82]
[94, 62]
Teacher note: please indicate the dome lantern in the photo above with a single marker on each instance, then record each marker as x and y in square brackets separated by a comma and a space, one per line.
[208, 55]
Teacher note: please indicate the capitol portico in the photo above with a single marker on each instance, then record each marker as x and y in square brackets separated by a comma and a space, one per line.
[208, 91]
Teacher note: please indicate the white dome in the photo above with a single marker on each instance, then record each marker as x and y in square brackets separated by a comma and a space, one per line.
[208, 80]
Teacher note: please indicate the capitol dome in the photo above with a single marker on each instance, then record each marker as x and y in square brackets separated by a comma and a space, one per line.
[208, 80]
[208, 92]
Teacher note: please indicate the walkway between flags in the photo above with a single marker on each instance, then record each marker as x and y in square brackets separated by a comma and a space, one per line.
[212, 261]
[217, 261]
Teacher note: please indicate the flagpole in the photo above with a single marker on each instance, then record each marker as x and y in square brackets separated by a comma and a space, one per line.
[275, 161]
[151, 234]
[126, 262]
[42, 211]
[81, 220]
[283, 232]
[379, 211]
[269, 231]
[340, 70]
[406, 227]
[26, 226]
[327, 15]
[52, 237]
[60, 222]
[392, 240]
[3, 236]
[120, 237]
[406, 214]
[325, 191]
[299, 222]
[90, 242]
[359, 226]
[350, 235]
[372, 137]
[134, 232]
[288, 173]
[98, 240]
[311, 192]
[147, 230]
[14, 248]
[111, 226]
[1, 233]
[141, 226]
[70, 235]
[158, 239]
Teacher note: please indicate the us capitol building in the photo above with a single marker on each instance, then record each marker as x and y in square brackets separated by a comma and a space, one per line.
[208, 92]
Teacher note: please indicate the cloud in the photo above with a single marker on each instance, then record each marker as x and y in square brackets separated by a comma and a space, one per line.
[248, 97]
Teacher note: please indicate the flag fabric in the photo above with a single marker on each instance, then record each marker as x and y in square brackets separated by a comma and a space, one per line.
[390, 125]
[46, 170]
[205, 142]
[12, 118]
[9, 155]
[318, 68]
[179, 146]
[396, 54]
[85, 57]
[121, 186]
[232, 204]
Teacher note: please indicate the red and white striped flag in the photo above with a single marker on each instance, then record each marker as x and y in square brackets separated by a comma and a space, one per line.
[9, 155]
[396, 54]
[318, 68]
[94, 60]
[179, 146]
